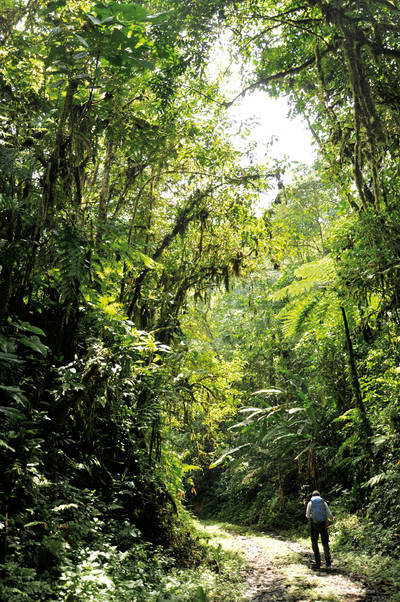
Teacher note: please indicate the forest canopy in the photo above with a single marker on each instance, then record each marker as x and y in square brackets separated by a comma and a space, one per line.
[152, 322]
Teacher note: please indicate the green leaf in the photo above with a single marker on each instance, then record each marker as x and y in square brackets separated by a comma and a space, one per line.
[10, 358]
[190, 467]
[267, 392]
[317, 271]
[82, 41]
[143, 64]
[376, 479]
[35, 344]
[133, 12]
[201, 594]
[381, 440]
[6, 446]
[227, 453]
[159, 17]
[349, 415]
[53, 6]
[148, 261]
[25, 326]
[11, 412]
[80, 55]
[15, 393]
[117, 38]
[93, 19]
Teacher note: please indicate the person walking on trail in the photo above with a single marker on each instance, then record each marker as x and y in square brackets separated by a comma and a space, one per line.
[318, 514]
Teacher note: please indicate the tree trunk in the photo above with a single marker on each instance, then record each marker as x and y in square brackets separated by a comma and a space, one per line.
[104, 193]
[366, 427]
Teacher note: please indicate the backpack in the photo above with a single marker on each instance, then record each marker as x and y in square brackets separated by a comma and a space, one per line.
[318, 510]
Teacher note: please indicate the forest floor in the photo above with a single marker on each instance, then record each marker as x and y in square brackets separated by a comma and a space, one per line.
[278, 568]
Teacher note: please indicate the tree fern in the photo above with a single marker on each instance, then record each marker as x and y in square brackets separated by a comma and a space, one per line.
[294, 319]
[310, 276]
[319, 272]
[293, 290]
[312, 301]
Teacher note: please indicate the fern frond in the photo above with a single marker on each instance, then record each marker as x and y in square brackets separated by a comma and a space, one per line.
[294, 289]
[317, 272]
[313, 275]
[295, 316]
[303, 315]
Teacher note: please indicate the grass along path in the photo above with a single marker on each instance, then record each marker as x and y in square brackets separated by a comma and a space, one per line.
[276, 569]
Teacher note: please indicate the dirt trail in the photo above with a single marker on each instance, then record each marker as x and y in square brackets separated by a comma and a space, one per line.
[270, 580]
[280, 569]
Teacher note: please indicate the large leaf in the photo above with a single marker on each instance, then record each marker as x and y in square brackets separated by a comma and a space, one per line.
[15, 393]
[226, 454]
[26, 327]
[11, 412]
[131, 12]
[378, 478]
[35, 344]
[271, 391]
[10, 358]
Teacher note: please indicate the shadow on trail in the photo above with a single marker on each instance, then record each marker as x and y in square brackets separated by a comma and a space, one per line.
[338, 573]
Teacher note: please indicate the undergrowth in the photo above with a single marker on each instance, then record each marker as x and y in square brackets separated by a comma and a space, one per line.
[368, 552]
[103, 570]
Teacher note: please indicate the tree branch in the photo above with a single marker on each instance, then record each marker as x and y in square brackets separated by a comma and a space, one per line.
[280, 75]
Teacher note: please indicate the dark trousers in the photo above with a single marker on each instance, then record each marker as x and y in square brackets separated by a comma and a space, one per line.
[318, 529]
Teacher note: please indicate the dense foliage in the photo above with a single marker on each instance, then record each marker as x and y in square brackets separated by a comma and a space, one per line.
[119, 195]
[316, 321]
[151, 324]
